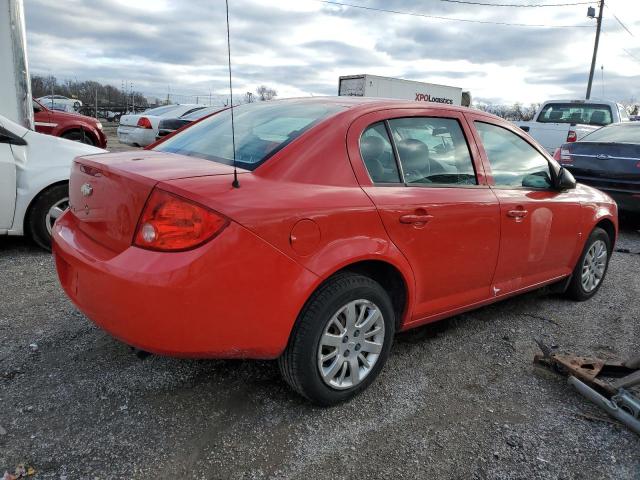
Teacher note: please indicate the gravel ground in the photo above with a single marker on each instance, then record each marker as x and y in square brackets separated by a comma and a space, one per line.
[459, 399]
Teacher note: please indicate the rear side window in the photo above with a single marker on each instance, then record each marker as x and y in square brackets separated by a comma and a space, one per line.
[377, 154]
[588, 114]
[514, 163]
[433, 151]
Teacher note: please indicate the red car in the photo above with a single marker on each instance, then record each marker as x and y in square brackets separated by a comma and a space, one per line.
[351, 219]
[71, 126]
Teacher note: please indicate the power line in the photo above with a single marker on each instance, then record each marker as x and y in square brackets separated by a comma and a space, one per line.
[528, 5]
[436, 17]
[636, 58]
[620, 21]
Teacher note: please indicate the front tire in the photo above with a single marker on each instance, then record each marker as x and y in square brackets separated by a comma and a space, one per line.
[44, 211]
[592, 266]
[341, 340]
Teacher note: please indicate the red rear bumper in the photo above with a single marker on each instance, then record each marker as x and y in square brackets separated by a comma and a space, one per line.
[234, 297]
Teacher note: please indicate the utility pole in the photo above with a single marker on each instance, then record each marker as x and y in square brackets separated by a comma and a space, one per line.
[595, 46]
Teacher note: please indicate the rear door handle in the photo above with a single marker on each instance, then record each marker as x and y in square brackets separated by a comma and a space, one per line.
[517, 213]
[415, 218]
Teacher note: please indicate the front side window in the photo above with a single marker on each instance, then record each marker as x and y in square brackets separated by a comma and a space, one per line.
[377, 154]
[589, 114]
[433, 151]
[514, 162]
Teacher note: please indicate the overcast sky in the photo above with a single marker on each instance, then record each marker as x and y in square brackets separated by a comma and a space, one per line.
[301, 47]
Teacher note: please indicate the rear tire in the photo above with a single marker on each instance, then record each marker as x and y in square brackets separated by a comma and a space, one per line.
[45, 209]
[341, 340]
[592, 266]
[79, 136]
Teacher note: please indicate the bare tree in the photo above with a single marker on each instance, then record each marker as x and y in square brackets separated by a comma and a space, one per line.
[265, 93]
[248, 98]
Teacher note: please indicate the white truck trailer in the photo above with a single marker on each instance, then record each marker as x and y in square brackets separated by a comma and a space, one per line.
[387, 87]
[15, 83]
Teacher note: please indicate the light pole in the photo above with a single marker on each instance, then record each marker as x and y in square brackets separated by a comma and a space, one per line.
[591, 13]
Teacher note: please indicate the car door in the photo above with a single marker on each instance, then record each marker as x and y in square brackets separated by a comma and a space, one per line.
[427, 183]
[7, 179]
[540, 224]
[42, 119]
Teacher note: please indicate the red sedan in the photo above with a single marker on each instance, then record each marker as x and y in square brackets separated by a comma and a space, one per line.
[351, 219]
[69, 125]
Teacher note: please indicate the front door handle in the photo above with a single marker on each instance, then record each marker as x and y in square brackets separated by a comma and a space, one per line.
[519, 213]
[415, 219]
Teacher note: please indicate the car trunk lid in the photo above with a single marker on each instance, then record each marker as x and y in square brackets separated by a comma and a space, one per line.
[613, 167]
[604, 160]
[107, 193]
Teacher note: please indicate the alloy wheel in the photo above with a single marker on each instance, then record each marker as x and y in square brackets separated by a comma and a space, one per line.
[351, 344]
[594, 265]
[55, 211]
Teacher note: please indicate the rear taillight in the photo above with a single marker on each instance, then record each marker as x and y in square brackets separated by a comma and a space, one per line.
[144, 122]
[563, 155]
[172, 223]
[556, 155]
[572, 136]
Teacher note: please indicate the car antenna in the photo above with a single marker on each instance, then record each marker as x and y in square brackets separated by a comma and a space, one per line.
[235, 183]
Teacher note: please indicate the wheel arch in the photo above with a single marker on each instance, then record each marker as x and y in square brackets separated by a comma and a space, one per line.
[387, 274]
[82, 129]
[390, 278]
[608, 226]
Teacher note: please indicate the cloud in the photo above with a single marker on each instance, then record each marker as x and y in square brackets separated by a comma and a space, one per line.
[302, 47]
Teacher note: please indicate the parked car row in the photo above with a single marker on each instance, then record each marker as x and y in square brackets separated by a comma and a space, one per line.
[141, 129]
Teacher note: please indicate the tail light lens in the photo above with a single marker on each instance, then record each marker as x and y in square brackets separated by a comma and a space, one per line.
[144, 122]
[563, 155]
[572, 136]
[170, 223]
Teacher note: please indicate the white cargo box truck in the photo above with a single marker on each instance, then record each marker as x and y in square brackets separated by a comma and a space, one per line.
[387, 87]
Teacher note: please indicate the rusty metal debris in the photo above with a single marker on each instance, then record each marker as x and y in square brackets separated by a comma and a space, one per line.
[604, 382]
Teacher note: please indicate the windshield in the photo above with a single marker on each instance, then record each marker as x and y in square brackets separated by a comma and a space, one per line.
[198, 114]
[261, 130]
[160, 110]
[618, 133]
[587, 114]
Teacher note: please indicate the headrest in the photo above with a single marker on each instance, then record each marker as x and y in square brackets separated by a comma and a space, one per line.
[371, 148]
[555, 115]
[414, 154]
[597, 117]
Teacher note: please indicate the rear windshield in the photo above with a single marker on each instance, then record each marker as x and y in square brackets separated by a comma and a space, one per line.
[588, 114]
[261, 130]
[618, 133]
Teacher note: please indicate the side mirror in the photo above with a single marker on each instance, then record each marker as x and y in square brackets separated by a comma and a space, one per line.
[12, 139]
[565, 180]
